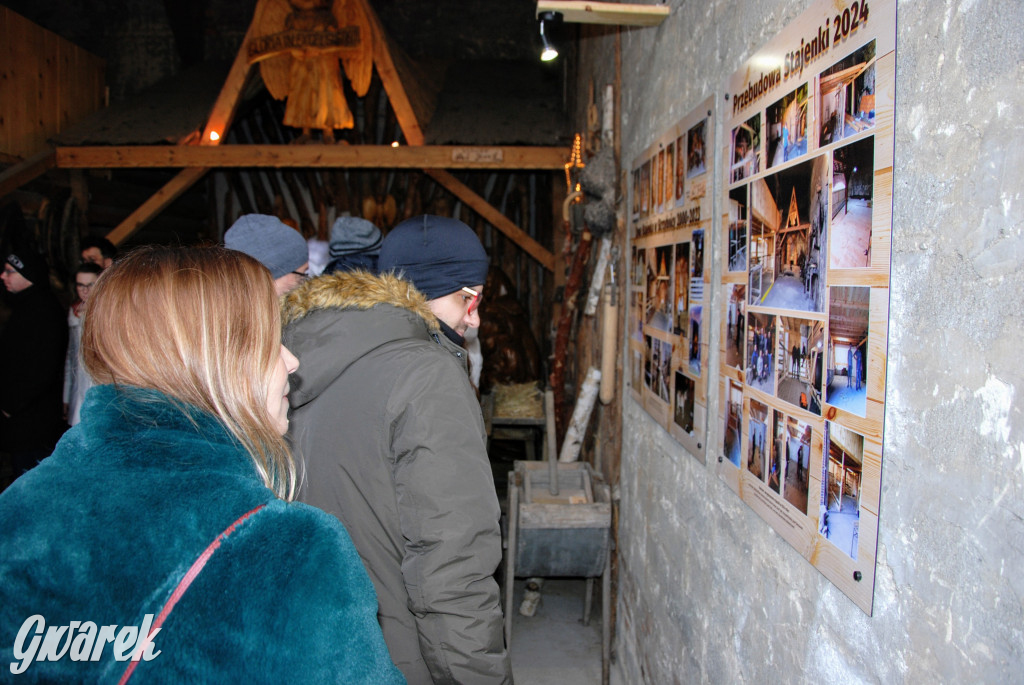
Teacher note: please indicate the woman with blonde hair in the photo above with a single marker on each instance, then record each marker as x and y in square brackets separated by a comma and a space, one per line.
[159, 541]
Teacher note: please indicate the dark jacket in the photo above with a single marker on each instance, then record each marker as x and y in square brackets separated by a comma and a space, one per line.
[394, 446]
[32, 348]
[105, 528]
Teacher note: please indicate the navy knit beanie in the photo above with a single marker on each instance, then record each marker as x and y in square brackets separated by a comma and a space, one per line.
[273, 243]
[31, 266]
[438, 254]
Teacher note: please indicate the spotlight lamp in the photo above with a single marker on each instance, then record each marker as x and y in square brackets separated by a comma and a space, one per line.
[548, 51]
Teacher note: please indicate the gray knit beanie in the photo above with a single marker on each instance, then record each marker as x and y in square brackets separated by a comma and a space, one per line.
[276, 245]
[353, 234]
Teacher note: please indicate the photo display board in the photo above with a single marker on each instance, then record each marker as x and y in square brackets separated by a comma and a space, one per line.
[806, 218]
[672, 185]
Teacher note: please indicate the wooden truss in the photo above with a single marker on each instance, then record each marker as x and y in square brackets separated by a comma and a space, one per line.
[412, 103]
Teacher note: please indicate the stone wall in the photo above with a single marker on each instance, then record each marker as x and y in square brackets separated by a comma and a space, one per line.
[708, 593]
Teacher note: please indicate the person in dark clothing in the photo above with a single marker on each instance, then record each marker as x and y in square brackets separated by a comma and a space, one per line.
[394, 444]
[355, 244]
[32, 348]
[175, 491]
[98, 251]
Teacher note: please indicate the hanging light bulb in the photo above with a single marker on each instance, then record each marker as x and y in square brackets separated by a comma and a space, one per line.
[548, 51]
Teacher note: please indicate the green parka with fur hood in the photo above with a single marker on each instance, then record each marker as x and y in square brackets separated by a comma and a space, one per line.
[393, 441]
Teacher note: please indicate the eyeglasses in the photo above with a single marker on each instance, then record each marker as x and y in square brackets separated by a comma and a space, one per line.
[302, 275]
[474, 301]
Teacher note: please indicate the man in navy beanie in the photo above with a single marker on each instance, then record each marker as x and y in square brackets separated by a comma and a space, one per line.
[394, 445]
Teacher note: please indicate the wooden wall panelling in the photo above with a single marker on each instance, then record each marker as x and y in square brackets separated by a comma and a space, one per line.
[7, 77]
[49, 84]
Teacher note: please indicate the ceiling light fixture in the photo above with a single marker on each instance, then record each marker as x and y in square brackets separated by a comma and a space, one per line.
[548, 51]
[594, 12]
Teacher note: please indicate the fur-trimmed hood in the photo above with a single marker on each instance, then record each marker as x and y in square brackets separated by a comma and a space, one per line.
[355, 289]
[333, 320]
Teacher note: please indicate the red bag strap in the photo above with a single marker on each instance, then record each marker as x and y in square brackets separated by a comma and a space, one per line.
[183, 584]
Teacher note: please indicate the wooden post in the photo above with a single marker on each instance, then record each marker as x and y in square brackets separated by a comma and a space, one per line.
[572, 286]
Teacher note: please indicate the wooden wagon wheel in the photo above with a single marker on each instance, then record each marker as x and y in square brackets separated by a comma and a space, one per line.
[63, 243]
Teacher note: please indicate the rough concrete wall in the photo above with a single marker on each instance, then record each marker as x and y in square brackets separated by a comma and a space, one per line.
[708, 592]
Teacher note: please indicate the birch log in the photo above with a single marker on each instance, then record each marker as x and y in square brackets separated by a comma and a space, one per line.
[598, 279]
[580, 417]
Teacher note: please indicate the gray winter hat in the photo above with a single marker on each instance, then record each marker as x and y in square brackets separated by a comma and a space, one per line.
[276, 245]
[352, 234]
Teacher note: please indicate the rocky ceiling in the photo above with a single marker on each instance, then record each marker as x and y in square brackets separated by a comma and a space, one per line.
[493, 89]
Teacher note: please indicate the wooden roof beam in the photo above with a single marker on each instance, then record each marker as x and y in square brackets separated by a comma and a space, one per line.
[404, 101]
[221, 116]
[163, 197]
[21, 173]
[313, 156]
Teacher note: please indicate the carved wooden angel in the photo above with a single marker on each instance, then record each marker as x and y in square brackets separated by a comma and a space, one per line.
[298, 44]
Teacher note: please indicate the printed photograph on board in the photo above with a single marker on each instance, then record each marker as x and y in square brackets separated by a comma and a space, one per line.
[661, 363]
[788, 217]
[853, 184]
[746, 149]
[648, 362]
[696, 141]
[847, 376]
[758, 449]
[787, 127]
[636, 377]
[733, 439]
[636, 311]
[695, 314]
[761, 273]
[668, 189]
[680, 173]
[681, 306]
[659, 288]
[697, 265]
[800, 352]
[840, 512]
[738, 229]
[636, 194]
[645, 189]
[776, 460]
[793, 450]
[639, 265]
[735, 326]
[683, 411]
[760, 348]
[659, 182]
[847, 96]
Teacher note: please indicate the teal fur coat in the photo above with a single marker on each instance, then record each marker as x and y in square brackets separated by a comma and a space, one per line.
[103, 530]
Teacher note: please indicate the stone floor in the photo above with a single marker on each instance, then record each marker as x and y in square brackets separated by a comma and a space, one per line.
[553, 647]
